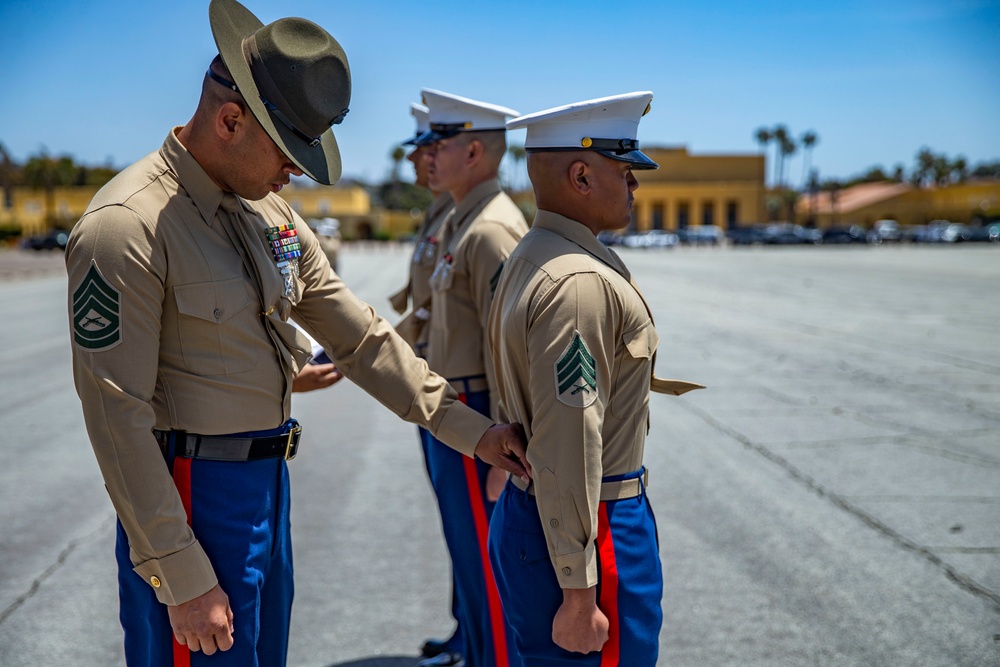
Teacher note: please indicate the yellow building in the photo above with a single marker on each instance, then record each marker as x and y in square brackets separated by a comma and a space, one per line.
[865, 203]
[35, 212]
[690, 190]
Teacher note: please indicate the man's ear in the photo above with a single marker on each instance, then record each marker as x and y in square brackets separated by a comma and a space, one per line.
[230, 119]
[474, 152]
[579, 177]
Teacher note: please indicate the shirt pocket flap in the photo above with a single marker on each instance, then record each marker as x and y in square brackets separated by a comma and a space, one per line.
[641, 343]
[212, 302]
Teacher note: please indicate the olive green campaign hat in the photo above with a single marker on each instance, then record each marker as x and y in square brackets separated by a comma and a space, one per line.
[294, 77]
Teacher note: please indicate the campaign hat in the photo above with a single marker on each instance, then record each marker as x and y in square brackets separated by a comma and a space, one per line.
[295, 79]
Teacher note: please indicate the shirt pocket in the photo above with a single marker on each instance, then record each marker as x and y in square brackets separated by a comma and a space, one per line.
[631, 383]
[443, 275]
[211, 326]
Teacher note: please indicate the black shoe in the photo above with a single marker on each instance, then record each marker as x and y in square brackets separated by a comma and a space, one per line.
[445, 659]
[433, 647]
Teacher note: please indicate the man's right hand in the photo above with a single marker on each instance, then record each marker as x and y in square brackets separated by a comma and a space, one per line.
[204, 623]
[579, 625]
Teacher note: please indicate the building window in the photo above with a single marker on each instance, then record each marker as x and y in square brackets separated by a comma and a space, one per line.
[683, 214]
[732, 214]
[324, 207]
[33, 207]
[658, 215]
[708, 213]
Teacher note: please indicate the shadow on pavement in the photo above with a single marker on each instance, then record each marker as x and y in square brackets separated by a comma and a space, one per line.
[380, 661]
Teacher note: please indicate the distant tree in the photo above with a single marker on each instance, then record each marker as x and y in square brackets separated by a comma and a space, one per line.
[808, 140]
[44, 172]
[401, 196]
[10, 175]
[763, 137]
[898, 173]
[397, 155]
[779, 135]
[833, 188]
[987, 170]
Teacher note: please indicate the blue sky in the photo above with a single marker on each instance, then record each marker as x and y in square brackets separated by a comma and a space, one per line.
[104, 80]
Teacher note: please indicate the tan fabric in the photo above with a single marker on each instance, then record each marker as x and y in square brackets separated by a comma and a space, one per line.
[195, 353]
[417, 293]
[561, 282]
[479, 234]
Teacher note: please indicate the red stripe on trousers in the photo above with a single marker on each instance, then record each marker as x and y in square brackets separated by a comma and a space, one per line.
[482, 530]
[182, 480]
[609, 587]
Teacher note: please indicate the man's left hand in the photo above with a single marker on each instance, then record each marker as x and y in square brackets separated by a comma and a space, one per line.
[316, 376]
[503, 446]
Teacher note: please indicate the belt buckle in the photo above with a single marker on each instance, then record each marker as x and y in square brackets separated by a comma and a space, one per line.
[291, 446]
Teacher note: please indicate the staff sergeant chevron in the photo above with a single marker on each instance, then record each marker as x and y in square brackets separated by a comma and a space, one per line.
[96, 312]
[576, 374]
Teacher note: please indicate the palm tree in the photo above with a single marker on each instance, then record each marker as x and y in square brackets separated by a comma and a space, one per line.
[763, 137]
[397, 155]
[44, 172]
[808, 140]
[925, 167]
[960, 169]
[780, 137]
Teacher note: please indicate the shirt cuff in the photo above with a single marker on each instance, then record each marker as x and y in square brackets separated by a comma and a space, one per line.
[461, 428]
[179, 577]
[576, 570]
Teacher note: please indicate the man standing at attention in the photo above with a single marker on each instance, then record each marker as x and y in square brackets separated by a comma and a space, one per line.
[573, 347]
[183, 274]
[465, 144]
[416, 295]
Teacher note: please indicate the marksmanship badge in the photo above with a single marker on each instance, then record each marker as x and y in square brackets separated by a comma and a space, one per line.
[576, 374]
[96, 312]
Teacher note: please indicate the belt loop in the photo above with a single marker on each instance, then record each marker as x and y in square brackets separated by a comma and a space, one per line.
[642, 480]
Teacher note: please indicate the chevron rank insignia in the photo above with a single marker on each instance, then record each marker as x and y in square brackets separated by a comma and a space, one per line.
[96, 312]
[576, 374]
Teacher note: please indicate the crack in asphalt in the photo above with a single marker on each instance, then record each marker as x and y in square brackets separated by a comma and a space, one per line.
[962, 580]
[61, 559]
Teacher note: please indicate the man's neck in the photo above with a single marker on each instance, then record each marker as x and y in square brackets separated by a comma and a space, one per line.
[458, 193]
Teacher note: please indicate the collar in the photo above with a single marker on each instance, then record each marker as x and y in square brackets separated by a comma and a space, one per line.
[487, 189]
[206, 195]
[580, 234]
[438, 205]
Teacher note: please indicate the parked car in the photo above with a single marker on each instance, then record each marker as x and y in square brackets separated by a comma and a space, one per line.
[785, 233]
[328, 234]
[655, 238]
[985, 233]
[700, 235]
[752, 235]
[929, 233]
[609, 238]
[54, 240]
[852, 234]
[885, 231]
[956, 233]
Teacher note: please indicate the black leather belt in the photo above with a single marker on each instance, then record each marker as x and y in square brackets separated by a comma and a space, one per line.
[231, 448]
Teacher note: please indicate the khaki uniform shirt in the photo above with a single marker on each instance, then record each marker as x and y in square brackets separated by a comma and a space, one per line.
[573, 346]
[178, 315]
[479, 234]
[417, 291]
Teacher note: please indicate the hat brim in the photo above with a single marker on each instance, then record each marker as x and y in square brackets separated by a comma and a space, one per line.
[232, 23]
[430, 136]
[636, 158]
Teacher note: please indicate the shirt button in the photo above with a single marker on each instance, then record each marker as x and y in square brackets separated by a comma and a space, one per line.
[567, 571]
[154, 581]
[218, 313]
[554, 523]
